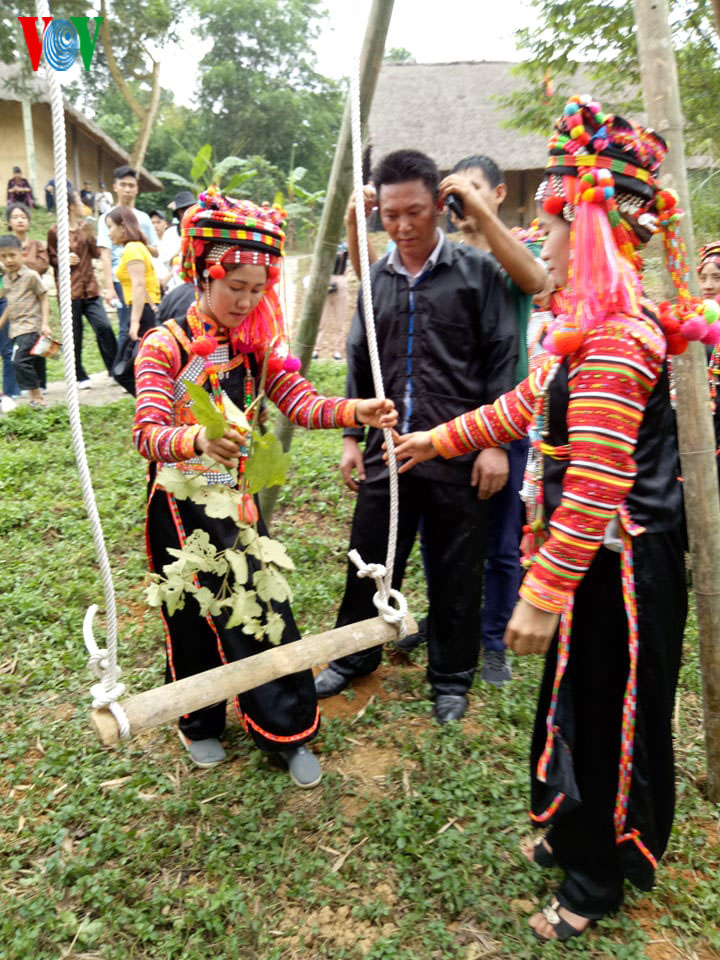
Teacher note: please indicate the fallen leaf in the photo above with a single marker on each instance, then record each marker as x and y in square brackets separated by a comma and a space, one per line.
[113, 784]
[214, 797]
[361, 713]
[339, 863]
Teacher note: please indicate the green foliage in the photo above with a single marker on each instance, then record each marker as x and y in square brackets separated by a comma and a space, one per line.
[240, 588]
[258, 86]
[593, 42]
[398, 55]
[268, 465]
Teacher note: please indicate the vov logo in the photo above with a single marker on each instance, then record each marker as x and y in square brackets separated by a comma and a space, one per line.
[61, 42]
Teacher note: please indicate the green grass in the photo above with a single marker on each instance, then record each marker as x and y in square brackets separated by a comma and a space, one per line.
[131, 853]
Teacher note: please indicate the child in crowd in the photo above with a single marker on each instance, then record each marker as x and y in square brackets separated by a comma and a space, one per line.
[27, 312]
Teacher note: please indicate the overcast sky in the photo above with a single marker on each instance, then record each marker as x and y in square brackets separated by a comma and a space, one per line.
[430, 30]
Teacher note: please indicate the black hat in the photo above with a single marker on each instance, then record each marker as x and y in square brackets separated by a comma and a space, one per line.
[182, 200]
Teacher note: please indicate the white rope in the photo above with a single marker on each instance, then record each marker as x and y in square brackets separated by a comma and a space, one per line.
[105, 692]
[103, 695]
[383, 581]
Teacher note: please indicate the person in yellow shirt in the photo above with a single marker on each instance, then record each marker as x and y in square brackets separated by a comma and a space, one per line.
[140, 286]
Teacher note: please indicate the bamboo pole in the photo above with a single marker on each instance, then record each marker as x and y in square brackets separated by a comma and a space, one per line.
[167, 703]
[331, 222]
[695, 428]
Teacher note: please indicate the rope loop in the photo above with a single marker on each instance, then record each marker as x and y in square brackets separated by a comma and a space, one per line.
[394, 615]
[108, 691]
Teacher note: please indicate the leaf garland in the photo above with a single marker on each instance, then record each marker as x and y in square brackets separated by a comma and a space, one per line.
[251, 571]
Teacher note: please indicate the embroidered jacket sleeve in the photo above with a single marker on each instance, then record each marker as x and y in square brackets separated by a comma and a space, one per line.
[493, 424]
[153, 433]
[610, 381]
[298, 399]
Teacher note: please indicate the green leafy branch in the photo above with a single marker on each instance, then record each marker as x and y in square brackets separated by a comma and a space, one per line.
[241, 592]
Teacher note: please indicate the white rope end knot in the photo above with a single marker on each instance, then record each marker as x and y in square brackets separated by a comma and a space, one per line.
[373, 570]
[108, 691]
[108, 698]
[394, 615]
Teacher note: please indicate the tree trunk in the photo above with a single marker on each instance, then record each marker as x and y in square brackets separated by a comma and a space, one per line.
[143, 139]
[716, 11]
[338, 193]
[146, 115]
[695, 427]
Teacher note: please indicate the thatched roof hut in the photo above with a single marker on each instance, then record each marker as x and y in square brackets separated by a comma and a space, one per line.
[26, 138]
[451, 110]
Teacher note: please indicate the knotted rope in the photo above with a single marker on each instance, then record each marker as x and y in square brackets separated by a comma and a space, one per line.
[381, 574]
[105, 692]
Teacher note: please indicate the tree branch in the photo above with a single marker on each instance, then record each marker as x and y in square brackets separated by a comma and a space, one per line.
[115, 71]
[143, 139]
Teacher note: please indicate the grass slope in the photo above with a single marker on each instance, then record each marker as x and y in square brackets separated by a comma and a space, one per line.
[407, 851]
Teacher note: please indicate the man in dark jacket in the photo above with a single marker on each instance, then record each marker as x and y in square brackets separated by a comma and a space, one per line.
[447, 341]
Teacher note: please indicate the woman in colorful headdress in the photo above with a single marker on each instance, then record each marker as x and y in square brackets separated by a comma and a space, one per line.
[604, 595]
[231, 252]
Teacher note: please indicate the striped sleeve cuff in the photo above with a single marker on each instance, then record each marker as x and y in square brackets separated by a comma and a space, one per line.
[543, 596]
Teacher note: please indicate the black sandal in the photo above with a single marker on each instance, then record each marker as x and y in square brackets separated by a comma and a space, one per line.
[541, 855]
[562, 929]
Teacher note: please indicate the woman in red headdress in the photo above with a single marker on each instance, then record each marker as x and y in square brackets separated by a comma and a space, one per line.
[231, 251]
[604, 596]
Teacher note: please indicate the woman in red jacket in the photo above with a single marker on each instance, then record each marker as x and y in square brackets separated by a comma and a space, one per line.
[604, 596]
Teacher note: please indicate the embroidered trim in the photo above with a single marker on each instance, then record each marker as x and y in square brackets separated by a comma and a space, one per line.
[634, 835]
[627, 742]
[551, 810]
[277, 739]
[562, 660]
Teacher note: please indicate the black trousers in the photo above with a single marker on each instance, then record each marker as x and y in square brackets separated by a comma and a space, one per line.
[123, 370]
[589, 721]
[29, 370]
[454, 522]
[92, 308]
[278, 715]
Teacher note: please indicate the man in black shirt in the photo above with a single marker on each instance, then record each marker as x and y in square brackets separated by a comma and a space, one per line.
[447, 342]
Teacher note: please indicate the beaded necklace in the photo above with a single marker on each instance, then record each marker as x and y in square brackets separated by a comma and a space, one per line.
[205, 344]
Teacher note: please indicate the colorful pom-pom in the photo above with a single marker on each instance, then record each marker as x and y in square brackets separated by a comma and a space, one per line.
[563, 338]
[676, 344]
[204, 346]
[693, 328]
[712, 311]
[711, 335]
[292, 364]
[554, 205]
[570, 109]
[217, 271]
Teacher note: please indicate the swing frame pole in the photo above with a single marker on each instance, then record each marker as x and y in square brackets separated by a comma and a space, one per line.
[331, 221]
[165, 704]
[696, 435]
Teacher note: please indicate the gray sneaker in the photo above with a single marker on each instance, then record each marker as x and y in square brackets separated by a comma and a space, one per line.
[303, 767]
[203, 753]
[496, 670]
